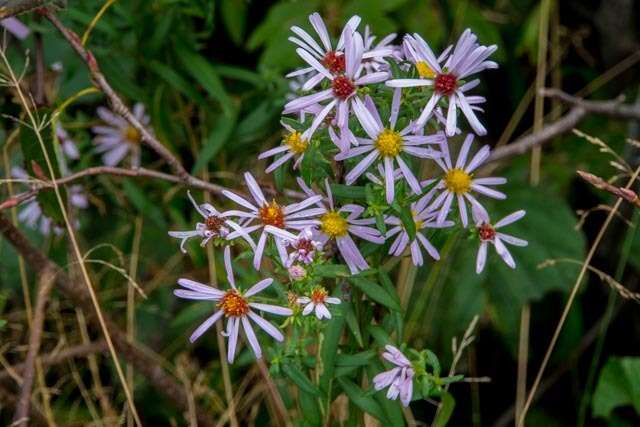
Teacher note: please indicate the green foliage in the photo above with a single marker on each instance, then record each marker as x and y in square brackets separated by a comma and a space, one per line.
[618, 385]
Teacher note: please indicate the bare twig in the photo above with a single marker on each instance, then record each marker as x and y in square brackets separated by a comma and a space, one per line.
[37, 417]
[142, 359]
[580, 109]
[10, 8]
[81, 350]
[117, 104]
[21, 414]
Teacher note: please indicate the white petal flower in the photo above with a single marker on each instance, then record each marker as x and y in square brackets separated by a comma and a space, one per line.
[458, 182]
[489, 234]
[317, 302]
[445, 75]
[237, 307]
[117, 138]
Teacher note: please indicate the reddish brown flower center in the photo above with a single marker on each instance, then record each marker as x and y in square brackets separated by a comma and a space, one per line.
[486, 232]
[214, 223]
[334, 62]
[445, 84]
[304, 245]
[318, 295]
[233, 304]
[271, 214]
[342, 87]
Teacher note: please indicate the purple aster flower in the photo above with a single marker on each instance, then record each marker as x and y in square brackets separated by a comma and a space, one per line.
[237, 307]
[117, 137]
[458, 182]
[467, 58]
[271, 218]
[489, 234]
[293, 144]
[399, 379]
[15, 27]
[387, 144]
[338, 224]
[304, 247]
[344, 86]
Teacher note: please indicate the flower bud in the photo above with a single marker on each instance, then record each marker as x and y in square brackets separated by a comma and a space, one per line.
[297, 272]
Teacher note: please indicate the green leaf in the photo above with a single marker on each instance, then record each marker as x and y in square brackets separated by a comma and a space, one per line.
[366, 403]
[357, 359]
[204, 73]
[331, 270]
[376, 293]
[329, 350]
[176, 81]
[3, 323]
[300, 379]
[143, 204]
[446, 409]
[406, 216]
[618, 385]
[234, 15]
[219, 135]
[341, 191]
[352, 321]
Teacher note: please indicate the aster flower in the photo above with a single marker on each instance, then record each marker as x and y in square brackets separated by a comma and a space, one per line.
[489, 234]
[332, 59]
[383, 48]
[344, 86]
[458, 182]
[424, 218]
[399, 379]
[467, 58]
[271, 218]
[237, 307]
[387, 144]
[317, 302]
[304, 247]
[117, 138]
[338, 224]
[293, 144]
[215, 225]
[68, 145]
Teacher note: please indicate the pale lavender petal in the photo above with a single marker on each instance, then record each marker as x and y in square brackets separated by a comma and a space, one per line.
[509, 219]
[205, 325]
[251, 337]
[266, 326]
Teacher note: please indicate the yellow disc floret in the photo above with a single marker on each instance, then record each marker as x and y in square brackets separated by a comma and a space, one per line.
[389, 143]
[424, 70]
[457, 181]
[296, 143]
[333, 224]
[233, 304]
[131, 134]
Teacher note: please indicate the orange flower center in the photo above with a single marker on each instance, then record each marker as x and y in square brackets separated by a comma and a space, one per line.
[271, 214]
[342, 87]
[318, 295]
[445, 84]
[233, 304]
[334, 62]
[131, 134]
[214, 223]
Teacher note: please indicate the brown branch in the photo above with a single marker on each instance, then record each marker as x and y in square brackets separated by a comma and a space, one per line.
[143, 360]
[10, 8]
[10, 399]
[81, 350]
[625, 193]
[21, 414]
[580, 109]
[117, 104]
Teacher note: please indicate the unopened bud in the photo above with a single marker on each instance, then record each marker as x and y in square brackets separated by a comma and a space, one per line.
[297, 272]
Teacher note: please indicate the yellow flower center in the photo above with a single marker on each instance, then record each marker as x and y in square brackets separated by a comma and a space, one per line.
[389, 143]
[457, 181]
[424, 70]
[296, 143]
[333, 224]
[417, 221]
[233, 304]
[131, 134]
[271, 214]
[318, 295]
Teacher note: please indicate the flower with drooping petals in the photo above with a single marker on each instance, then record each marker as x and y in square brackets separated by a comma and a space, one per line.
[338, 224]
[272, 218]
[304, 247]
[317, 302]
[489, 234]
[216, 224]
[424, 218]
[237, 307]
[399, 379]
[387, 144]
[117, 138]
[448, 80]
[458, 182]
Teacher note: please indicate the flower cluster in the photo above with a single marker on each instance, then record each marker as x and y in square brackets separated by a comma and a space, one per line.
[369, 131]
